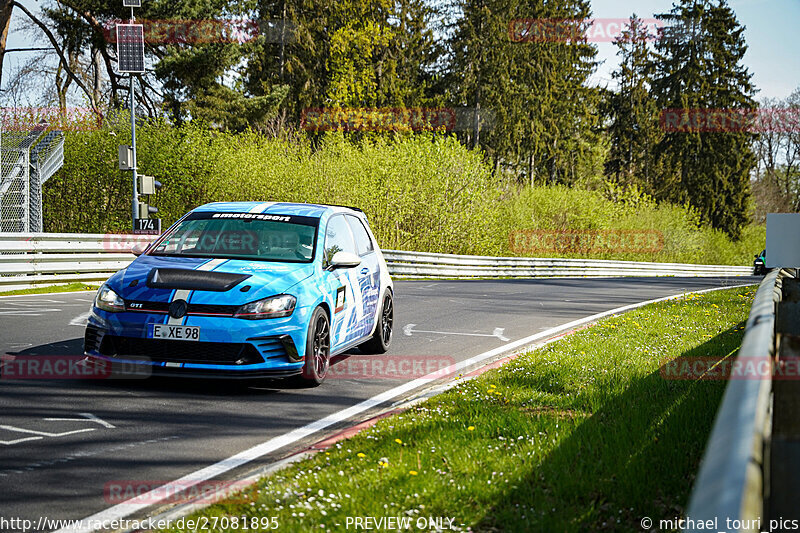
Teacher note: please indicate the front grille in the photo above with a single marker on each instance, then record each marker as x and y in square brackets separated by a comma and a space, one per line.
[172, 351]
[91, 338]
[192, 309]
[211, 309]
[146, 307]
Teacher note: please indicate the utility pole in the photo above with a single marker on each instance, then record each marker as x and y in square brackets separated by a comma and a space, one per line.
[130, 51]
[135, 199]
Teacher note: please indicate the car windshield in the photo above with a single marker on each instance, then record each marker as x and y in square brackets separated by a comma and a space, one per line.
[251, 236]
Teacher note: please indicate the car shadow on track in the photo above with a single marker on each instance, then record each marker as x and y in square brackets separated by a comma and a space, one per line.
[71, 350]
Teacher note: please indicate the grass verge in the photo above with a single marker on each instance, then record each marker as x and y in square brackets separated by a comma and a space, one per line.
[72, 287]
[581, 435]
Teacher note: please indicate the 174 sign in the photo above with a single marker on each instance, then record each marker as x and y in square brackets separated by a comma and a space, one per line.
[148, 226]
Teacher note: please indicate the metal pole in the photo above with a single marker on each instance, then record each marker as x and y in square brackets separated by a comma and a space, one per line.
[135, 200]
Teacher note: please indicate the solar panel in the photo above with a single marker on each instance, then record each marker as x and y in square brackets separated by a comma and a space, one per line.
[130, 47]
[132, 3]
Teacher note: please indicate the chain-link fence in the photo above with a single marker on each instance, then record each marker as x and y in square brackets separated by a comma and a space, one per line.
[27, 160]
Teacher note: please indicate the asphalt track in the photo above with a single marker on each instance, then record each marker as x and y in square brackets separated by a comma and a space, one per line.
[67, 445]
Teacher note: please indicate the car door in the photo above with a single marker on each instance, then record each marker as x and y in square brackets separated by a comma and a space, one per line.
[368, 276]
[342, 283]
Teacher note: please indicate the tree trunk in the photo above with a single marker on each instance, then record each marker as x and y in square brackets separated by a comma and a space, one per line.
[530, 169]
[96, 77]
[6, 7]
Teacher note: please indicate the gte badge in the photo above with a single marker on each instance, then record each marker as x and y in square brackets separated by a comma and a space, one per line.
[339, 299]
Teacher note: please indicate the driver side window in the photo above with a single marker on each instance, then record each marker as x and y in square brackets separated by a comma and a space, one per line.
[338, 238]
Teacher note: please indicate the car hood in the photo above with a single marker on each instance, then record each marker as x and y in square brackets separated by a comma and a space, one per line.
[221, 285]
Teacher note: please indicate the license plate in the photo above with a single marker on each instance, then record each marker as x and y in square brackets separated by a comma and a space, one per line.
[178, 333]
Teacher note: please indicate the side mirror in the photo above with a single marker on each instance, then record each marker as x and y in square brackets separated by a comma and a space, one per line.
[344, 260]
[138, 249]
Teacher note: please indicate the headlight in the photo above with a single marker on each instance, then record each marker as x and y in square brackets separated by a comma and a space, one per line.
[273, 307]
[108, 300]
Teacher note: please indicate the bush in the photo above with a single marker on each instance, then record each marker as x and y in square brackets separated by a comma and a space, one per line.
[422, 192]
[684, 240]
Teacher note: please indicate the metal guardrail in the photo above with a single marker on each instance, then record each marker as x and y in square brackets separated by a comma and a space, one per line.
[32, 259]
[41, 259]
[730, 483]
[425, 264]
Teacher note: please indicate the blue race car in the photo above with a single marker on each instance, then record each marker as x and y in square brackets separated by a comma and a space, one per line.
[247, 289]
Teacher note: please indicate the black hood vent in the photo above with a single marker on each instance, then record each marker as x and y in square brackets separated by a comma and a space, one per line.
[193, 280]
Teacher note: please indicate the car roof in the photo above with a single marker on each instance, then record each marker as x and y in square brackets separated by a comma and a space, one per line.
[283, 208]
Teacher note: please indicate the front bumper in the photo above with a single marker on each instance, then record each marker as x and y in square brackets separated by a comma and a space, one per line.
[122, 368]
[228, 347]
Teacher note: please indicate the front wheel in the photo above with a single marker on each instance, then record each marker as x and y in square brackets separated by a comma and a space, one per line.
[382, 337]
[318, 349]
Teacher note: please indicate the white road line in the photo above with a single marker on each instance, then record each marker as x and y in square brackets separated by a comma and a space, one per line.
[80, 320]
[29, 312]
[157, 495]
[10, 442]
[34, 302]
[45, 433]
[45, 294]
[408, 331]
[87, 417]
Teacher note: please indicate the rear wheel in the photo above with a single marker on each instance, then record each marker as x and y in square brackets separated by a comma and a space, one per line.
[318, 349]
[382, 337]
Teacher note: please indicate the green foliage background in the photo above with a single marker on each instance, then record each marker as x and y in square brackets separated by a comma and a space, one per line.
[423, 192]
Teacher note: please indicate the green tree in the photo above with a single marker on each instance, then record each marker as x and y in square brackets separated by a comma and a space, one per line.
[777, 149]
[191, 69]
[634, 130]
[699, 67]
[536, 89]
[364, 53]
[359, 66]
